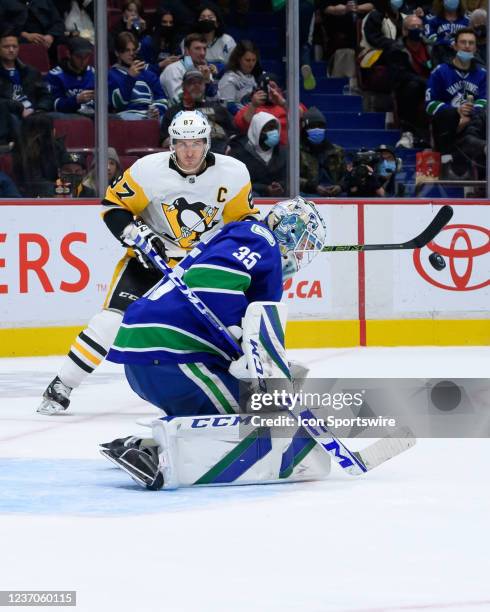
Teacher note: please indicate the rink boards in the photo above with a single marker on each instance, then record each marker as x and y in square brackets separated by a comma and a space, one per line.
[57, 259]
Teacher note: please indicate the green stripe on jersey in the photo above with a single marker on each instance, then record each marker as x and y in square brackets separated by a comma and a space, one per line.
[162, 337]
[214, 390]
[215, 277]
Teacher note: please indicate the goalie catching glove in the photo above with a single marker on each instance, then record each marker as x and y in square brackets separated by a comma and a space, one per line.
[139, 228]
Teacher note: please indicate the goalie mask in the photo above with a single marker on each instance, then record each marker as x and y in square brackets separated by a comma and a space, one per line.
[300, 232]
[189, 125]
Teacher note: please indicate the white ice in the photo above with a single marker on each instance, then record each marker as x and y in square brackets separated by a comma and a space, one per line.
[411, 535]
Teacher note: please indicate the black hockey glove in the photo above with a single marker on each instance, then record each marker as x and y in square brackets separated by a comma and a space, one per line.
[149, 235]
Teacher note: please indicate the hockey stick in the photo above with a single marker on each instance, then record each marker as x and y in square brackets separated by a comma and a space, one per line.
[160, 264]
[354, 463]
[441, 219]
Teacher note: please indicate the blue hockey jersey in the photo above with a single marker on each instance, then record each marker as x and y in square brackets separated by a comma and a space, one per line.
[441, 31]
[135, 93]
[240, 264]
[449, 86]
[65, 85]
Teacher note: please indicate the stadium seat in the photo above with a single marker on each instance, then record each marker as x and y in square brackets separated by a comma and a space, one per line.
[113, 17]
[6, 163]
[333, 102]
[134, 137]
[355, 121]
[368, 139]
[34, 55]
[77, 133]
[127, 161]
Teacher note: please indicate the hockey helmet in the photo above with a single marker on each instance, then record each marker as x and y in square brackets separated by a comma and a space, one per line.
[189, 125]
[300, 231]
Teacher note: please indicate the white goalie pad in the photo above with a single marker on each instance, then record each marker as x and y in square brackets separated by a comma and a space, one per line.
[231, 450]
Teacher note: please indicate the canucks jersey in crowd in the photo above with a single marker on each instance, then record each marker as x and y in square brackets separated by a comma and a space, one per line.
[449, 86]
[180, 208]
[135, 94]
[174, 358]
[441, 31]
[65, 85]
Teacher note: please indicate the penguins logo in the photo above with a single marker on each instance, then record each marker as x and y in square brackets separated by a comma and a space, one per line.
[189, 221]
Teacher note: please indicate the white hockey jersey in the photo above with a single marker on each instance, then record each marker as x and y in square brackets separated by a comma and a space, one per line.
[183, 208]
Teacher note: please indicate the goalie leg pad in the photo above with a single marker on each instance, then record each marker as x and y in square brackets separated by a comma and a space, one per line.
[230, 450]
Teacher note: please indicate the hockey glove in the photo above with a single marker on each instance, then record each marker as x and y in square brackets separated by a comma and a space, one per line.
[149, 235]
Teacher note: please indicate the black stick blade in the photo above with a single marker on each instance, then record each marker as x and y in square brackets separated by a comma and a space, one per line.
[435, 226]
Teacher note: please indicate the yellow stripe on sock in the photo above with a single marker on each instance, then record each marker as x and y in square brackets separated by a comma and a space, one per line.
[86, 353]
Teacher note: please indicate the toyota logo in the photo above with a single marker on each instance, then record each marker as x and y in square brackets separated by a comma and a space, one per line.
[462, 246]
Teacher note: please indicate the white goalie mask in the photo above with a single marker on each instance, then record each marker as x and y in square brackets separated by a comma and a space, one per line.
[189, 125]
[300, 231]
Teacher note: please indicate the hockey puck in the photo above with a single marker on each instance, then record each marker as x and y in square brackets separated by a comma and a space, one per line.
[437, 261]
[445, 395]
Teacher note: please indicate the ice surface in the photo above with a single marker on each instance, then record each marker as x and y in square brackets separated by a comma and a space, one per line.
[411, 535]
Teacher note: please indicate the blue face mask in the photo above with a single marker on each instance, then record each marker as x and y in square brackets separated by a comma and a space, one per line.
[272, 138]
[316, 135]
[188, 63]
[465, 56]
[386, 167]
[451, 5]
[396, 4]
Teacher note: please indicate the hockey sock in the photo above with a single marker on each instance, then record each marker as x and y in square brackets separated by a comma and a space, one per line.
[90, 348]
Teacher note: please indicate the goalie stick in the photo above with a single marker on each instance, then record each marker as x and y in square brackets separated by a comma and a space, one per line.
[441, 219]
[354, 463]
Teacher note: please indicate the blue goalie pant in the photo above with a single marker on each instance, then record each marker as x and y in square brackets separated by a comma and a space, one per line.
[186, 389]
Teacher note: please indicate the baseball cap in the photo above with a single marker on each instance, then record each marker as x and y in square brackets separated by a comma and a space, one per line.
[80, 46]
[74, 158]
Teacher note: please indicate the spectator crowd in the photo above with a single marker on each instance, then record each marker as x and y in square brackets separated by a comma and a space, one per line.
[428, 59]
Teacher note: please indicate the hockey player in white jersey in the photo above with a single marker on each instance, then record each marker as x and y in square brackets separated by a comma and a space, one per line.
[174, 198]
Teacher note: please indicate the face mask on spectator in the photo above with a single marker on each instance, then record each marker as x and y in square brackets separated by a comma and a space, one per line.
[188, 63]
[481, 31]
[386, 167]
[272, 139]
[205, 26]
[451, 5]
[415, 34]
[465, 56]
[316, 135]
[396, 4]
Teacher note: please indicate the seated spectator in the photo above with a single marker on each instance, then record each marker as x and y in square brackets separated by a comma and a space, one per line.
[184, 12]
[210, 24]
[194, 57]
[13, 14]
[134, 90]
[131, 21]
[114, 170]
[37, 157]
[264, 157]
[194, 98]
[339, 20]
[268, 98]
[408, 72]
[21, 86]
[381, 35]
[43, 26]
[160, 48]
[387, 168]
[448, 18]
[72, 83]
[73, 170]
[478, 22]
[8, 188]
[473, 143]
[455, 92]
[322, 164]
[240, 79]
[78, 16]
